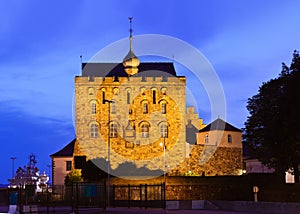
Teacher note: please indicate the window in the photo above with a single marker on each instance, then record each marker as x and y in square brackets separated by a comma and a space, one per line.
[103, 97]
[68, 165]
[94, 131]
[113, 107]
[94, 108]
[206, 138]
[229, 138]
[163, 108]
[113, 130]
[145, 131]
[128, 97]
[164, 131]
[154, 96]
[145, 108]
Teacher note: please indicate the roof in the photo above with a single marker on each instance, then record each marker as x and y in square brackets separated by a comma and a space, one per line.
[68, 150]
[220, 124]
[154, 69]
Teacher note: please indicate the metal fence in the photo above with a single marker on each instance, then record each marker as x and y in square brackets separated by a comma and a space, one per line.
[59, 199]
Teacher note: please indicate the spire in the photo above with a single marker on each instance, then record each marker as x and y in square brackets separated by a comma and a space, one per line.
[131, 62]
[130, 37]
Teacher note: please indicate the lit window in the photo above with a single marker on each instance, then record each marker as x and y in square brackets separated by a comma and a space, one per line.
[94, 130]
[206, 138]
[229, 138]
[164, 131]
[145, 108]
[163, 108]
[68, 165]
[113, 130]
[145, 131]
[94, 108]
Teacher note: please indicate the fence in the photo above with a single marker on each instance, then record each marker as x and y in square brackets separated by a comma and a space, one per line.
[142, 195]
[70, 198]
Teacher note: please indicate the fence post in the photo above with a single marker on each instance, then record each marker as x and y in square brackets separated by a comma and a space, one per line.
[129, 197]
[146, 196]
[72, 198]
[141, 195]
[77, 197]
[113, 195]
[164, 191]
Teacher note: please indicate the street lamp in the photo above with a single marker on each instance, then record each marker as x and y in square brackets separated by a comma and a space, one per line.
[13, 166]
[49, 170]
[164, 147]
[108, 151]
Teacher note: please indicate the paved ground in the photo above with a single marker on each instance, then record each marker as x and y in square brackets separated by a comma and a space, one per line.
[67, 210]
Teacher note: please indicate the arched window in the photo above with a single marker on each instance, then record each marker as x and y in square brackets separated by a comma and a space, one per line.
[145, 131]
[164, 131]
[113, 130]
[94, 130]
[163, 108]
[229, 138]
[93, 108]
[206, 138]
[145, 108]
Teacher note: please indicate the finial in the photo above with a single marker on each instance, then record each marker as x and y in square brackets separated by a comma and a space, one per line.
[131, 62]
[130, 38]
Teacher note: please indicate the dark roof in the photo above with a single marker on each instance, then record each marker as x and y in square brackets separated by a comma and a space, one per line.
[154, 69]
[220, 124]
[68, 150]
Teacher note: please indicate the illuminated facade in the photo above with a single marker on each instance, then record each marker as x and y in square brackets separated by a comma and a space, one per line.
[135, 108]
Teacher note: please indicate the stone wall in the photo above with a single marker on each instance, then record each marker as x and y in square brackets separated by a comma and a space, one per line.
[211, 161]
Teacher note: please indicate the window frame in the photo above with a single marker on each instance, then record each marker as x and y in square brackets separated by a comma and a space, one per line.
[94, 130]
[68, 166]
[164, 131]
[145, 131]
[145, 108]
[93, 108]
[113, 130]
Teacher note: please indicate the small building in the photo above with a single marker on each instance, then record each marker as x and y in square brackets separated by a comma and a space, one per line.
[62, 163]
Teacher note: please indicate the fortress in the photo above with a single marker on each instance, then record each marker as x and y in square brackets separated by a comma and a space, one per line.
[134, 113]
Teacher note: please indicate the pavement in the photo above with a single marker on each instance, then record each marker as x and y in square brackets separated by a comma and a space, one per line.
[68, 210]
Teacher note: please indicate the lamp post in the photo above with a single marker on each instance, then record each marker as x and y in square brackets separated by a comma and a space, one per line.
[13, 166]
[164, 147]
[108, 152]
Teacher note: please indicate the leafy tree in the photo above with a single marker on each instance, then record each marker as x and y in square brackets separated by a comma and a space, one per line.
[273, 128]
[73, 176]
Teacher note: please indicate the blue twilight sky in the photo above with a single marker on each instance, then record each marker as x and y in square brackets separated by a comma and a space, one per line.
[41, 41]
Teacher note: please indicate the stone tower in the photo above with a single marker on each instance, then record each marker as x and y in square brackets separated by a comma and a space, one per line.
[134, 106]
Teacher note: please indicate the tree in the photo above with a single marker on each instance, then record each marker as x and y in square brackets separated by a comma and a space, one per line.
[73, 176]
[273, 128]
